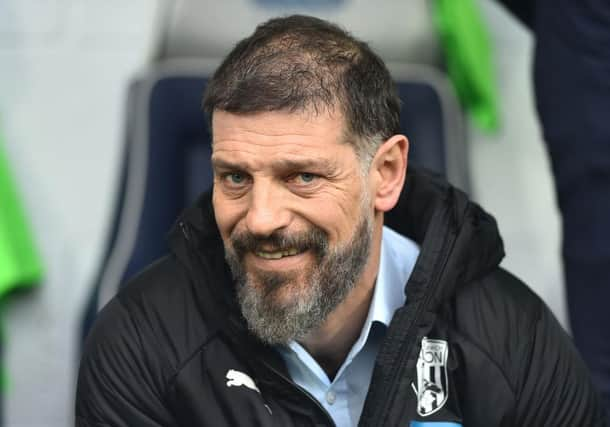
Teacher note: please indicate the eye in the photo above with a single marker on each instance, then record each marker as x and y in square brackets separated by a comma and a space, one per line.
[306, 177]
[304, 181]
[236, 178]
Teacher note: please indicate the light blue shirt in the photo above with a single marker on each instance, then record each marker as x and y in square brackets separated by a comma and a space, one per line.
[343, 397]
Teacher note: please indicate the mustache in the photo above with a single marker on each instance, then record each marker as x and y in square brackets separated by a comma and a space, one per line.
[314, 239]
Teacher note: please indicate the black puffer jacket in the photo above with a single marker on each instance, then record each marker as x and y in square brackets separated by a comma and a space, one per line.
[161, 352]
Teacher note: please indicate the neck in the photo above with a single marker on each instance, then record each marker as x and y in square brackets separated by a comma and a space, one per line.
[330, 344]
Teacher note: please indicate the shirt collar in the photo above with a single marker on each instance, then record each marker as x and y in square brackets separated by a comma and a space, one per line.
[396, 261]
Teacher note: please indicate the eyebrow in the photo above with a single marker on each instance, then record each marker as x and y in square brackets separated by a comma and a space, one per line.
[284, 165]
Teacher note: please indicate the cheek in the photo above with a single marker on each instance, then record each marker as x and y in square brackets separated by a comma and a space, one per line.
[227, 214]
[336, 219]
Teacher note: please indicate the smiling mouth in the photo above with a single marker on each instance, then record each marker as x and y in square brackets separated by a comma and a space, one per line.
[277, 254]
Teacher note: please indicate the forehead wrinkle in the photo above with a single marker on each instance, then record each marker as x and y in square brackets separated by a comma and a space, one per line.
[290, 147]
[272, 124]
[277, 133]
[255, 147]
[270, 139]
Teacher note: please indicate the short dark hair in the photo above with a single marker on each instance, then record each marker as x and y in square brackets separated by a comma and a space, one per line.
[301, 63]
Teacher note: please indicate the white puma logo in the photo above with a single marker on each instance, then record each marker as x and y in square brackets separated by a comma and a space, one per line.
[237, 379]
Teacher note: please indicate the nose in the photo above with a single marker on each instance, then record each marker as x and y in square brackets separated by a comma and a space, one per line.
[267, 211]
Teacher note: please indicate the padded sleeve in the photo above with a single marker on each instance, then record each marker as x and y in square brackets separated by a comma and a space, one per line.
[556, 390]
[117, 382]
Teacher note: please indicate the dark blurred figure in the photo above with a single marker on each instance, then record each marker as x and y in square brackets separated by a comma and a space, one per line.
[572, 87]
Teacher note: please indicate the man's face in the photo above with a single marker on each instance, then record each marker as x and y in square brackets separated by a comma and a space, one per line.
[294, 214]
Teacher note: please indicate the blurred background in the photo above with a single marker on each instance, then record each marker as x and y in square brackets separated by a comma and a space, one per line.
[65, 71]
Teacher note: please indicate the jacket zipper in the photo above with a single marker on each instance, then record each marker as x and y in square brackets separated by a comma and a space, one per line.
[185, 230]
[440, 265]
[308, 395]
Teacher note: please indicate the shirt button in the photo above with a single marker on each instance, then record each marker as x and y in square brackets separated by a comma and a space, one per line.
[331, 397]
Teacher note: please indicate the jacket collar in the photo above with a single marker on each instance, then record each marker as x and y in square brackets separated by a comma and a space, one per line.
[436, 215]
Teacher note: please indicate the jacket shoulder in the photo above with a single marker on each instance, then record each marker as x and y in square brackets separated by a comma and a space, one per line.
[518, 333]
[496, 315]
[161, 300]
[501, 300]
[137, 345]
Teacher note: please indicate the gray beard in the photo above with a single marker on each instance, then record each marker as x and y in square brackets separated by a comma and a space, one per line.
[326, 285]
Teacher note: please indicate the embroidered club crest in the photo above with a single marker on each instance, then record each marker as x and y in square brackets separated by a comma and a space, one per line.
[432, 384]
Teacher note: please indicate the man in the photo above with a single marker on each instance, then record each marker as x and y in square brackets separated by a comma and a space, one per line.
[284, 300]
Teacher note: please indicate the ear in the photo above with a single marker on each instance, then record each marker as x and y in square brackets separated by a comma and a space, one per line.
[389, 169]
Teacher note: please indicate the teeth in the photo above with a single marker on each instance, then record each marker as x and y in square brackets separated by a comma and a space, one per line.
[270, 255]
[277, 255]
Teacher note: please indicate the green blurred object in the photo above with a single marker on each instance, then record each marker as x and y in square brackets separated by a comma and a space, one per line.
[20, 264]
[467, 48]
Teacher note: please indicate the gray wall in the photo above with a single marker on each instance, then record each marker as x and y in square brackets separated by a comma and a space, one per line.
[64, 65]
